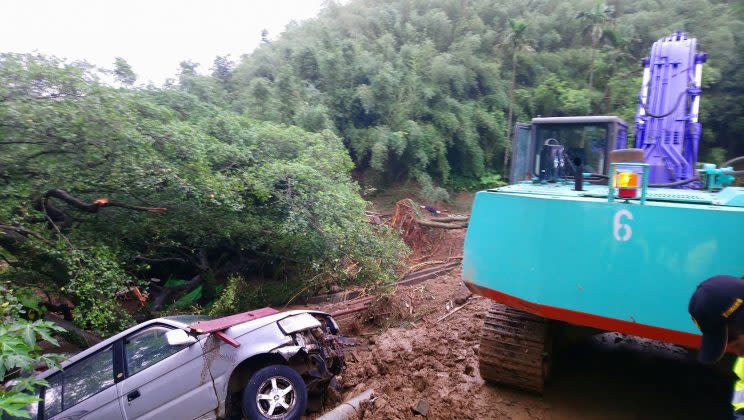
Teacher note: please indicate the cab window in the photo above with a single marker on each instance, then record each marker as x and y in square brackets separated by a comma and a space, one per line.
[587, 142]
[78, 382]
[147, 347]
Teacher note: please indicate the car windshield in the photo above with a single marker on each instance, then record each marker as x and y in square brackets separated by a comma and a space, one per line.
[188, 319]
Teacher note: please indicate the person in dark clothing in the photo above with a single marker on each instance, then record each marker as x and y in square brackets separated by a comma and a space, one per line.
[717, 308]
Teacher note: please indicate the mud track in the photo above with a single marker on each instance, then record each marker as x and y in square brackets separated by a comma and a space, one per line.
[606, 377]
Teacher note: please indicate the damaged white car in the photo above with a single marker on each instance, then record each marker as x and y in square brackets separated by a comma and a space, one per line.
[257, 365]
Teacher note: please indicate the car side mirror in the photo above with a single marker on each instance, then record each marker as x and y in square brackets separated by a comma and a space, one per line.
[179, 338]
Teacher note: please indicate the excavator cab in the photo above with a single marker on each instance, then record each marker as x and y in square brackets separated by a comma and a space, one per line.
[555, 148]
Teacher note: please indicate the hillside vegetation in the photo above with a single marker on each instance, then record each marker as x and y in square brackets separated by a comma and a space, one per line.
[423, 88]
[247, 172]
[222, 192]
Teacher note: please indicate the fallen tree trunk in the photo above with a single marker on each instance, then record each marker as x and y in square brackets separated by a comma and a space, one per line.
[89, 338]
[440, 225]
[349, 409]
[168, 292]
[350, 310]
[450, 219]
[13, 234]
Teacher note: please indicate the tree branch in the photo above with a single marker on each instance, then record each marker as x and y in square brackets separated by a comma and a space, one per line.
[54, 225]
[25, 233]
[97, 204]
[2, 143]
[89, 338]
[50, 152]
[159, 260]
[167, 292]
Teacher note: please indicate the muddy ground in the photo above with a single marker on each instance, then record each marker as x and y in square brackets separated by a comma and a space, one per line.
[414, 357]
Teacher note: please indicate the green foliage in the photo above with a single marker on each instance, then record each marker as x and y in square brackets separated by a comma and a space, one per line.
[95, 279]
[237, 296]
[429, 191]
[491, 180]
[123, 72]
[406, 84]
[488, 180]
[253, 163]
[19, 353]
[715, 155]
[30, 301]
[14, 403]
[179, 178]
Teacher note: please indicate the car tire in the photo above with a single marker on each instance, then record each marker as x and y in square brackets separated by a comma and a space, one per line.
[273, 393]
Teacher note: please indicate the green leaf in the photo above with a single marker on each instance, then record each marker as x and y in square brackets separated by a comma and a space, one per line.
[15, 403]
[14, 411]
[47, 337]
[28, 334]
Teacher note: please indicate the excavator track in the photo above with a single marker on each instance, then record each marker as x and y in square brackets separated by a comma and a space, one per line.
[515, 349]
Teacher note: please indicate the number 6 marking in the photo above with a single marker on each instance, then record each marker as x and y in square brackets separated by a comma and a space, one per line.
[618, 225]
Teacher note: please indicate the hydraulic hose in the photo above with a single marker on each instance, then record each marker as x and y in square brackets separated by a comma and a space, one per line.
[676, 183]
[687, 181]
[674, 108]
[732, 161]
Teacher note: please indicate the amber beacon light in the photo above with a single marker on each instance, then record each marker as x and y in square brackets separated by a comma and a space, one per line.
[626, 184]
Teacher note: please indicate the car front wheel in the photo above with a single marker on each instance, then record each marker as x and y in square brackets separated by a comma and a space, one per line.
[275, 392]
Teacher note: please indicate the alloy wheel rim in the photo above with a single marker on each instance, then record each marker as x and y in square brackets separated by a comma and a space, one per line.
[276, 397]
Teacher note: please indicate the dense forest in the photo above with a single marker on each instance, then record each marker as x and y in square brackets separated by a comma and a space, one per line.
[424, 89]
[242, 187]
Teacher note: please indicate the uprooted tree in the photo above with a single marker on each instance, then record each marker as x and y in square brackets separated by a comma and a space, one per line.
[104, 189]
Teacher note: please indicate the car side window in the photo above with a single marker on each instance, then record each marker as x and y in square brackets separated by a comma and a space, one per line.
[148, 347]
[79, 381]
[53, 396]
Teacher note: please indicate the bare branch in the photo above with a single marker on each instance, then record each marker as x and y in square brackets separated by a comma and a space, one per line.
[97, 204]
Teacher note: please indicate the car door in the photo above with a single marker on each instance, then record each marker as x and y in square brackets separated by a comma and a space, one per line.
[83, 390]
[163, 381]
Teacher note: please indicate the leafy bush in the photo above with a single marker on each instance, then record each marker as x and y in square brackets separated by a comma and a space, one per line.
[20, 354]
[236, 297]
[140, 183]
[488, 180]
[95, 279]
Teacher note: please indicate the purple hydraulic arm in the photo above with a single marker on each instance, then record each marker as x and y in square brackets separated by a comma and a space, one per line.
[666, 124]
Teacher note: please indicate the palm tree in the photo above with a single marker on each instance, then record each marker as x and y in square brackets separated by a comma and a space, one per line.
[618, 53]
[515, 41]
[596, 21]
